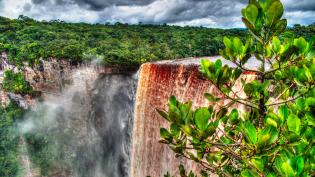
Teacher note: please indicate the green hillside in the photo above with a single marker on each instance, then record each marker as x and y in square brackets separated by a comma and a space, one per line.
[25, 39]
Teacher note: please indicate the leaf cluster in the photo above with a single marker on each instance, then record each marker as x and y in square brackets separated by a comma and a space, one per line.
[273, 135]
[16, 83]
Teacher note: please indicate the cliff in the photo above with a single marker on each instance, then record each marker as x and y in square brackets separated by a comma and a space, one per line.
[84, 114]
[101, 122]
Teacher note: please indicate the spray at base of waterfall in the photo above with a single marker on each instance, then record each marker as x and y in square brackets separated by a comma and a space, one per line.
[86, 128]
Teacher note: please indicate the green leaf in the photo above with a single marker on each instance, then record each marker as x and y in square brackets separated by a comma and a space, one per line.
[271, 175]
[186, 129]
[212, 128]
[205, 64]
[274, 135]
[271, 122]
[310, 103]
[220, 114]
[251, 13]
[175, 130]
[218, 65]
[265, 4]
[249, 173]
[287, 169]
[173, 101]
[202, 117]
[274, 13]
[174, 114]
[301, 44]
[251, 28]
[163, 114]
[164, 133]
[234, 116]
[308, 74]
[185, 111]
[237, 45]
[283, 113]
[259, 163]
[297, 164]
[267, 136]
[300, 104]
[310, 119]
[294, 123]
[276, 44]
[280, 27]
[227, 42]
[211, 98]
[250, 132]
[278, 75]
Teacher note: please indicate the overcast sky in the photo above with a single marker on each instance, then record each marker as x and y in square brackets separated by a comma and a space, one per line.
[209, 13]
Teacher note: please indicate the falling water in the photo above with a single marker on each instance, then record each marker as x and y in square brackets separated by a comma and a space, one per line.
[112, 112]
[25, 160]
[86, 128]
[157, 82]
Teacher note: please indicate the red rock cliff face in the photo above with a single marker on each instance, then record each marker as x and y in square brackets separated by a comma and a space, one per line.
[157, 82]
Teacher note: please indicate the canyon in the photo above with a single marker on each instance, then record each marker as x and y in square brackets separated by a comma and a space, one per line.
[103, 118]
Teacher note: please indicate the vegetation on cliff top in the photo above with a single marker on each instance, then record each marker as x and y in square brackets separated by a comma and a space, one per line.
[27, 40]
[275, 135]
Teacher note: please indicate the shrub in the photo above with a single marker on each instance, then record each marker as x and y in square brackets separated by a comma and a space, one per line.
[16, 83]
[274, 136]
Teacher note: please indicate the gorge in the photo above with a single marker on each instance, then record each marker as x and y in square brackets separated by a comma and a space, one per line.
[100, 121]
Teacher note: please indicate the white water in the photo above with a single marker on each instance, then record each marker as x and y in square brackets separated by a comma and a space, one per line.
[24, 158]
[87, 126]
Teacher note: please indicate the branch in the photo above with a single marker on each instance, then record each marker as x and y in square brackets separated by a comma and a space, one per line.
[246, 69]
[202, 163]
[284, 102]
[289, 100]
[278, 97]
[233, 99]
[280, 68]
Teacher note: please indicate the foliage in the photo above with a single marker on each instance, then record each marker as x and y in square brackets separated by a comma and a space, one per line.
[27, 40]
[9, 139]
[274, 136]
[16, 83]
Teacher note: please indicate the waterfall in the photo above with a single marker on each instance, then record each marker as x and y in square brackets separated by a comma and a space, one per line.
[83, 131]
[105, 125]
[112, 113]
[156, 83]
[26, 165]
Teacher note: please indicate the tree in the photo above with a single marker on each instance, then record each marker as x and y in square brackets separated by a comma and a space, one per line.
[9, 138]
[16, 83]
[274, 137]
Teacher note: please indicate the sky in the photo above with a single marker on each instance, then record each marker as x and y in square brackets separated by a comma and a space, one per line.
[207, 13]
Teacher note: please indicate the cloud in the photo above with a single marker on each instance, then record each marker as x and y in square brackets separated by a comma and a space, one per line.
[210, 13]
[301, 5]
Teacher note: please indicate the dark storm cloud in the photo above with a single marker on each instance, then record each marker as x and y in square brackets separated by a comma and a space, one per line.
[300, 5]
[213, 13]
[27, 7]
[95, 4]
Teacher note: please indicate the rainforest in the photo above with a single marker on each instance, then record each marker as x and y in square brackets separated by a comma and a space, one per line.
[157, 88]
[27, 40]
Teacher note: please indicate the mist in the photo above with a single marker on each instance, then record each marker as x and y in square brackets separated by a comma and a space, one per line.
[83, 131]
